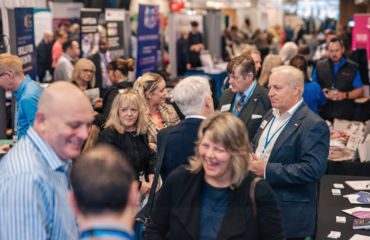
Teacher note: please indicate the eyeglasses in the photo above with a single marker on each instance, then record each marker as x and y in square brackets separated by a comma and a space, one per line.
[126, 90]
[4, 73]
[88, 70]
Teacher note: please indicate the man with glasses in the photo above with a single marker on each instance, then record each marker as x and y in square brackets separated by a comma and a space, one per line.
[64, 68]
[26, 92]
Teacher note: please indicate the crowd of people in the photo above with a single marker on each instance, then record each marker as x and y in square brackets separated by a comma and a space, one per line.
[83, 168]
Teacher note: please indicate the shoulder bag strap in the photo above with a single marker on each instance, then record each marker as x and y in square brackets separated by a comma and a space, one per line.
[251, 194]
[160, 157]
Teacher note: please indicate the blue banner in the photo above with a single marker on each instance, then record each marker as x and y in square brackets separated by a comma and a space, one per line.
[25, 40]
[147, 39]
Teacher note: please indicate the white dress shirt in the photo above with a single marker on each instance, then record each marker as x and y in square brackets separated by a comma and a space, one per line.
[64, 68]
[279, 121]
[195, 116]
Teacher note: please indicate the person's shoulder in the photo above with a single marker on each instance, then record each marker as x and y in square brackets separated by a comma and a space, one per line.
[225, 95]
[109, 130]
[180, 174]
[170, 109]
[313, 121]
[350, 62]
[123, 85]
[322, 62]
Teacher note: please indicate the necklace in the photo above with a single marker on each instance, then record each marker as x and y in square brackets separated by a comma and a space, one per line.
[133, 133]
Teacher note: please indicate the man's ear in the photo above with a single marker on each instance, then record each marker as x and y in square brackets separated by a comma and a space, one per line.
[73, 203]
[40, 119]
[249, 76]
[296, 89]
[207, 101]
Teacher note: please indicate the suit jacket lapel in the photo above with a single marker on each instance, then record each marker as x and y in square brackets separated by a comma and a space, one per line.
[291, 127]
[246, 113]
[230, 97]
[260, 130]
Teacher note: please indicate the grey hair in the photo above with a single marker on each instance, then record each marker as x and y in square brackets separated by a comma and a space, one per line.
[294, 76]
[288, 51]
[189, 94]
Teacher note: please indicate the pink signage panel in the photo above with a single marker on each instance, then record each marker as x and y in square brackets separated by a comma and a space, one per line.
[361, 33]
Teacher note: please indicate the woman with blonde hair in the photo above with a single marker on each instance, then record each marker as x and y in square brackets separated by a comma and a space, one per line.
[83, 74]
[151, 87]
[216, 196]
[126, 129]
[270, 62]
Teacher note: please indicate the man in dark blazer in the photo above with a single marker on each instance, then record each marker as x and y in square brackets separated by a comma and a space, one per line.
[194, 98]
[101, 60]
[246, 99]
[43, 53]
[290, 151]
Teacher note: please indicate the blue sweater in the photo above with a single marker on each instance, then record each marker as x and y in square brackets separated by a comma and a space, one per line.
[313, 96]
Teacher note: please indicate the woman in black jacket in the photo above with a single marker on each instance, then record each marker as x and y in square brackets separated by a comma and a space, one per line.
[126, 129]
[210, 198]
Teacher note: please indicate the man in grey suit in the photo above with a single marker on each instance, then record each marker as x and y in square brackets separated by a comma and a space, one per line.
[64, 68]
[246, 99]
[290, 151]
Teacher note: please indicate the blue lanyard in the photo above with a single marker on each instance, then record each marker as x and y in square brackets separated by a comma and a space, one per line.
[102, 233]
[268, 133]
[245, 101]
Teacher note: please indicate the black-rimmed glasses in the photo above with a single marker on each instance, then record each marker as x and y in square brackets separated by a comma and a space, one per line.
[126, 90]
[88, 70]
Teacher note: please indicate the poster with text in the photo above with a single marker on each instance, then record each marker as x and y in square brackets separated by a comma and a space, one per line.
[114, 20]
[361, 33]
[43, 20]
[89, 40]
[25, 40]
[147, 37]
[66, 12]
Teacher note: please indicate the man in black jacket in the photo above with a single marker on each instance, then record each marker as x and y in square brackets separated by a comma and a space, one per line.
[194, 98]
[246, 99]
[43, 54]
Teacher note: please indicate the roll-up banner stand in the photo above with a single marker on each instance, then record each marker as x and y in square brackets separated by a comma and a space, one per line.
[89, 35]
[127, 37]
[147, 37]
[66, 12]
[114, 19]
[43, 20]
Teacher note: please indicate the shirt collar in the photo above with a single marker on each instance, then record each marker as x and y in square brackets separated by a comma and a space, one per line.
[24, 82]
[342, 61]
[68, 57]
[195, 116]
[109, 226]
[104, 54]
[46, 151]
[289, 113]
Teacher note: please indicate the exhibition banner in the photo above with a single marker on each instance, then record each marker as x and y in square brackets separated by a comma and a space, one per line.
[147, 37]
[66, 12]
[114, 19]
[43, 20]
[25, 40]
[89, 35]
[361, 33]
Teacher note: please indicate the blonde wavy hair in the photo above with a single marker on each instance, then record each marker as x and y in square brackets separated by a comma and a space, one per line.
[10, 63]
[149, 82]
[124, 99]
[80, 65]
[230, 132]
[269, 63]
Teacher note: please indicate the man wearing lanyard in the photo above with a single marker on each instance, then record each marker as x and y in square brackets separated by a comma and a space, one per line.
[26, 91]
[245, 99]
[104, 194]
[341, 81]
[290, 151]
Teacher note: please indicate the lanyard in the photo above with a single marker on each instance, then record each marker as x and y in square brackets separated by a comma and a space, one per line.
[160, 126]
[101, 233]
[268, 133]
[245, 101]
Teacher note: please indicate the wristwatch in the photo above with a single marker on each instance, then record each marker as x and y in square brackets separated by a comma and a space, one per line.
[346, 95]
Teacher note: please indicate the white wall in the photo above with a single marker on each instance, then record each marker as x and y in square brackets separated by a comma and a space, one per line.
[255, 17]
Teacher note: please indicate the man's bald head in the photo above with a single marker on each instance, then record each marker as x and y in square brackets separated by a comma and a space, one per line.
[64, 118]
[48, 36]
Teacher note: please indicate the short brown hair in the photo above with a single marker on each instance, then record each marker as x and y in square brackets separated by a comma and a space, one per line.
[300, 62]
[246, 66]
[124, 66]
[10, 63]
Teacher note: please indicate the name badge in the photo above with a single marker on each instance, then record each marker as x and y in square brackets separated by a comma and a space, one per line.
[225, 107]
[263, 125]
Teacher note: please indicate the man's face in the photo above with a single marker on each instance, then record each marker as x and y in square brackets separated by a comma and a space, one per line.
[103, 45]
[75, 49]
[67, 129]
[257, 61]
[194, 28]
[280, 93]
[237, 81]
[329, 37]
[335, 52]
[6, 80]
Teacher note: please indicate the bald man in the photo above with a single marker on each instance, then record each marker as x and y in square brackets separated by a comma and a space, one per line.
[43, 55]
[34, 173]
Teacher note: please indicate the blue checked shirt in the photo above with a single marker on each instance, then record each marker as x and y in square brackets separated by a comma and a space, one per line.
[34, 193]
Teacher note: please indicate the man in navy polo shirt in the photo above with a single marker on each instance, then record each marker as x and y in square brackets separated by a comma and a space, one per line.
[26, 91]
[341, 81]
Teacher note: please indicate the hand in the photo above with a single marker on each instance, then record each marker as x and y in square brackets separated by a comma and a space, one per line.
[151, 178]
[258, 166]
[328, 94]
[145, 188]
[90, 98]
[98, 103]
[188, 66]
[339, 96]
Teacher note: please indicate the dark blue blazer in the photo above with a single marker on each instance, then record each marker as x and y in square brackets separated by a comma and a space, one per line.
[296, 164]
[180, 145]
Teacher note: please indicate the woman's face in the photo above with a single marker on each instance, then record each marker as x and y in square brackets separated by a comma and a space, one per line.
[111, 76]
[63, 38]
[86, 73]
[159, 95]
[128, 115]
[216, 161]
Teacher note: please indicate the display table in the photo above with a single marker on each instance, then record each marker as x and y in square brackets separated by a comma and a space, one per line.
[218, 77]
[331, 206]
[355, 168]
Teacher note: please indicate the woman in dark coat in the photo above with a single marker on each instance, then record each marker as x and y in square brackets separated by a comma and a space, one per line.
[210, 198]
[126, 130]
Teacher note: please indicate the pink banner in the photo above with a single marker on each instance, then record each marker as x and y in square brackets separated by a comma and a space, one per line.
[361, 33]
